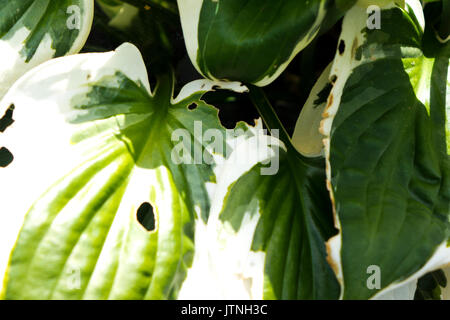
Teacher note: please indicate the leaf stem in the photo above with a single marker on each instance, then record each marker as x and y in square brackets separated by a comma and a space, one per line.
[268, 114]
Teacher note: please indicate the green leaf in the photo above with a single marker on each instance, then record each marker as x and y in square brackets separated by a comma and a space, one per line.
[271, 226]
[386, 151]
[251, 41]
[34, 31]
[89, 130]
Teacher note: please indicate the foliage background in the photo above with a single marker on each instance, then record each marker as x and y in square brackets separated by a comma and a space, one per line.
[157, 33]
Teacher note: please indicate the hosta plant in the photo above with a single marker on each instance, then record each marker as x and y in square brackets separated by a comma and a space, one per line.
[121, 179]
[34, 31]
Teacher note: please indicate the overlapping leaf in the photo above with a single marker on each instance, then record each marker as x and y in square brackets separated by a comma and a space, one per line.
[251, 41]
[269, 223]
[386, 153]
[295, 221]
[117, 219]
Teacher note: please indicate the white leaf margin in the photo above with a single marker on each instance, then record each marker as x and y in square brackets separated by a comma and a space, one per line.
[343, 65]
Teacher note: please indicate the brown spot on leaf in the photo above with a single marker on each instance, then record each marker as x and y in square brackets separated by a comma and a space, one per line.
[328, 185]
[330, 101]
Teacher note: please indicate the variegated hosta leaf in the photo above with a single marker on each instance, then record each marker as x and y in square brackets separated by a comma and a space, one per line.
[94, 155]
[34, 31]
[266, 233]
[251, 41]
[386, 151]
[221, 258]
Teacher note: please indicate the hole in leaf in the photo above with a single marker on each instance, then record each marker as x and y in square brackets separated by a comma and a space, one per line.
[192, 106]
[341, 47]
[6, 157]
[333, 79]
[233, 107]
[146, 216]
[7, 118]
